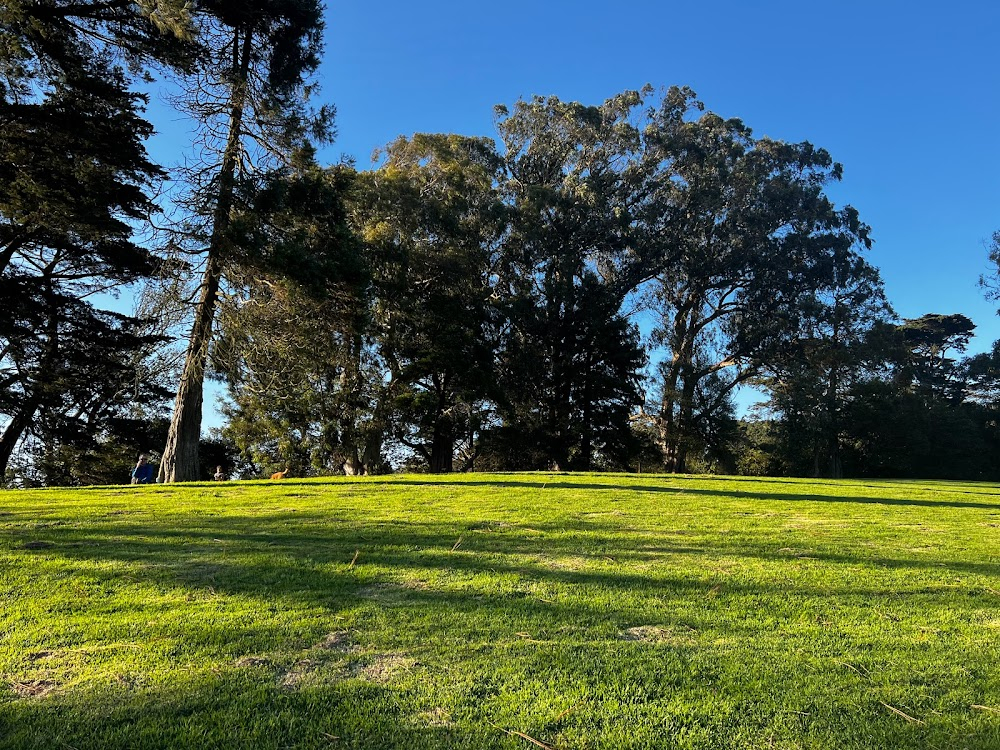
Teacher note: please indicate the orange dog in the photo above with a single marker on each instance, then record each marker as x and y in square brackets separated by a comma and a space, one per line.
[279, 474]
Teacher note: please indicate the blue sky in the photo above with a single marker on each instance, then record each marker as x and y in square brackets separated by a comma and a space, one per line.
[904, 94]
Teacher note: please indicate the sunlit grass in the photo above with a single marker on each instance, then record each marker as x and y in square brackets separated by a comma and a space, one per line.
[477, 611]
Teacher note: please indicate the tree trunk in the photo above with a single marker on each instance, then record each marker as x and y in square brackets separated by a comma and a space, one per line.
[443, 448]
[685, 420]
[180, 455]
[13, 432]
[45, 375]
[352, 465]
[586, 457]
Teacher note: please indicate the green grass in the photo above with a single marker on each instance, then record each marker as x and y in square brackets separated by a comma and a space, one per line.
[584, 611]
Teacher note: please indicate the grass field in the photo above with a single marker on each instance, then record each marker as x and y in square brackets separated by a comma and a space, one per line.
[502, 611]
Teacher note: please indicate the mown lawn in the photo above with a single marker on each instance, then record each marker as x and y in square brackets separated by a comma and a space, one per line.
[502, 611]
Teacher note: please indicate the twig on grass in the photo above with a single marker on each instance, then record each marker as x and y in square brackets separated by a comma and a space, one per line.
[986, 708]
[523, 736]
[900, 713]
[457, 544]
[354, 559]
[562, 714]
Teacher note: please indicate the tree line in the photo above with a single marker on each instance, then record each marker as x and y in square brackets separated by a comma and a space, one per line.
[588, 288]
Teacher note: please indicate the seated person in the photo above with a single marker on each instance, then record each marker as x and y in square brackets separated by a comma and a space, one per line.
[143, 472]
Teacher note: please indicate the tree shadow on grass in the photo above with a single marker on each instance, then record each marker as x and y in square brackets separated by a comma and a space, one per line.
[258, 556]
[237, 708]
[684, 490]
[504, 587]
[252, 707]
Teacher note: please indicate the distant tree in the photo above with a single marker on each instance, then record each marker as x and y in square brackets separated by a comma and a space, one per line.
[981, 376]
[812, 377]
[990, 282]
[748, 235]
[896, 432]
[288, 327]
[929, 338]
[431, 218]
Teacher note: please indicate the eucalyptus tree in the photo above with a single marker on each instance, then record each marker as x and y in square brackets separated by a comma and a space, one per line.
[748, 234]
[249, 95]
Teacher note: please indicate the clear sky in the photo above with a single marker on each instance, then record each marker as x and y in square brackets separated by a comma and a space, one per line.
[904, 94]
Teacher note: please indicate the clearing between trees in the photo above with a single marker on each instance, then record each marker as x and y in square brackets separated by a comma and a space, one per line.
[502, 611]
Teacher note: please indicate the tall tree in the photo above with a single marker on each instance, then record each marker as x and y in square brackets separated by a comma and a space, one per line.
[74, 179]
[814, 376]
[431, 220]
[249, 94]
[287, 332]
[929, 369]
[573, 183]
[748, 233]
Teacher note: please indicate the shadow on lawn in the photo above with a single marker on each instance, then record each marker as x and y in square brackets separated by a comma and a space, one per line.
[500, 585]
[678, 484]
[258, 555]
[223, 711]
[778, 496]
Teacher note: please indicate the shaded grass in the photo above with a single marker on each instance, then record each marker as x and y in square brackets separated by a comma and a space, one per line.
[585, 611]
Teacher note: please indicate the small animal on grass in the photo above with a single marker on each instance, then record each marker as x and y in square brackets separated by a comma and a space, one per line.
[279, 474]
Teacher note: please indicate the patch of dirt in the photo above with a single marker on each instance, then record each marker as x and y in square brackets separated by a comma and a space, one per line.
[37, 545]
[294, 677]
[382, 667]
[130, 681]
[37, 655]
[339, 641]
[565, 563]
[389, 594]
[252, 661]
[655, 634]
[319, 661]
[436, 717]
[34, 688]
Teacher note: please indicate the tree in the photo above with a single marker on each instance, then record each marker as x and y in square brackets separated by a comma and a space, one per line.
[74, 179]
[813, 377]
[431, 220]
[748, 234]
[288, 330]
[928, 339]
[249, 94]
[570, 361]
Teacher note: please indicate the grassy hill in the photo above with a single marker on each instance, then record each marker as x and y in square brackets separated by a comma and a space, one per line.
[502, 611]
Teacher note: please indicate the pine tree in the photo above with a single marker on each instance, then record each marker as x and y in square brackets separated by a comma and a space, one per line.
[249, 95]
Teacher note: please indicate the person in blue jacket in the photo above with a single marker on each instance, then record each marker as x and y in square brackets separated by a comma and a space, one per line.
[143, 472]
